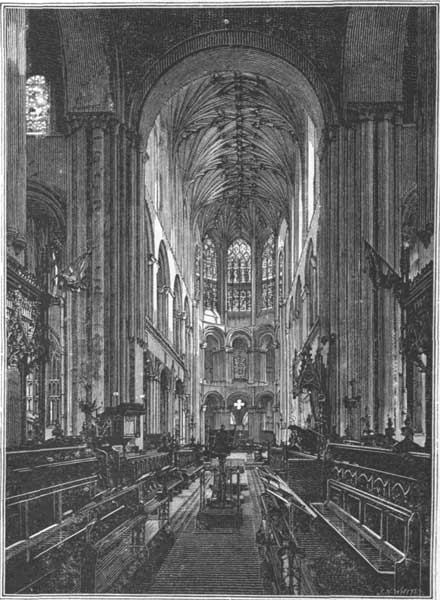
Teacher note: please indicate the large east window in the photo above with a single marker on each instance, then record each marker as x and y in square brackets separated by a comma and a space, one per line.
[239, 276]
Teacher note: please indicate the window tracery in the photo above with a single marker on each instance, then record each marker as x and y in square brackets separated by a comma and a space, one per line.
[239, 276]
[37, 105]
[268, 272]
[210, 297]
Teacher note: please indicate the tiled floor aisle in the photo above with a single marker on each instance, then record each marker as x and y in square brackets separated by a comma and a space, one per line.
[214, 563]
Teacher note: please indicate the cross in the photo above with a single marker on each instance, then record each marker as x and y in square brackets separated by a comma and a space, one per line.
[239, 404]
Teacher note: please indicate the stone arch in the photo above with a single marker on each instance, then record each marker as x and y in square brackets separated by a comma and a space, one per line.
[213, 409]
[149, 261]
[46, 201]
[216, 333]
[213, 343]
[266, 340]
[164, 263]
[214, 399]
[265, 330]
[243, 394]
[263, 399]
[162, 289]
[45, 250]
[238, 333]
[215, 51]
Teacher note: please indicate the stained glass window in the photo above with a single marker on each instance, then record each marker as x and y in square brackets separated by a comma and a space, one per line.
[239, 276]
[268, 272]
[37, 105]
[210, 299]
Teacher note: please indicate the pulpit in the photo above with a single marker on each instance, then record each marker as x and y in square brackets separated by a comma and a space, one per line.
[220, 508]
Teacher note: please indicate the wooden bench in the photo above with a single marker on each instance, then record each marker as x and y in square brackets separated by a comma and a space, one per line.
[377, 529]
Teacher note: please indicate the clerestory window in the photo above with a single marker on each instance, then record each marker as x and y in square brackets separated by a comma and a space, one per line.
[268, 272]
[37, 105]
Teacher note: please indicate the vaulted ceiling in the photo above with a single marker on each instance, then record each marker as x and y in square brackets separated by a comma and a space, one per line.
[235, 139]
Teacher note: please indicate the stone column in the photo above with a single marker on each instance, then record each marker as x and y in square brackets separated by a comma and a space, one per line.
[77, 384]
[96, 326]
[15, 30]
[369, 213]
[154, 270]
[426, 117]
[112, 266]
[254, 271]
[389, 244]
[96, 236]
[156, 404]
[168, 298]
[229, 364]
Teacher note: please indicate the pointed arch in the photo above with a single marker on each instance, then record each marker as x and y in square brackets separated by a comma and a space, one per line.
[163, 289]
[149, 262]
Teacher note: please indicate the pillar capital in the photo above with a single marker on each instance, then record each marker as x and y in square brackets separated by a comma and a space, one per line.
[91, 120]
[372, 111]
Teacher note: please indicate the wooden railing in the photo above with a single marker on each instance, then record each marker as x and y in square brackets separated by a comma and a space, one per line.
[35, 469]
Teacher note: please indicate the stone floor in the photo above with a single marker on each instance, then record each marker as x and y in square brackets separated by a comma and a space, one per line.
[203, 562]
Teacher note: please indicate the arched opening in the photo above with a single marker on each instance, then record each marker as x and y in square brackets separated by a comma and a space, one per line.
[239, 406]
[264, 427]
[212, 347]
[163, 291]
[149, 264]
[214, 415]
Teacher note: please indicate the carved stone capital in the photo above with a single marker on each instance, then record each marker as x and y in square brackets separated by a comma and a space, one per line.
[92, 120]
[15, 240]
[372, 111]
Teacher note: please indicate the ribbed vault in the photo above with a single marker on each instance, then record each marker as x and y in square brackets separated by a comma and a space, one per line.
[234, 139]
